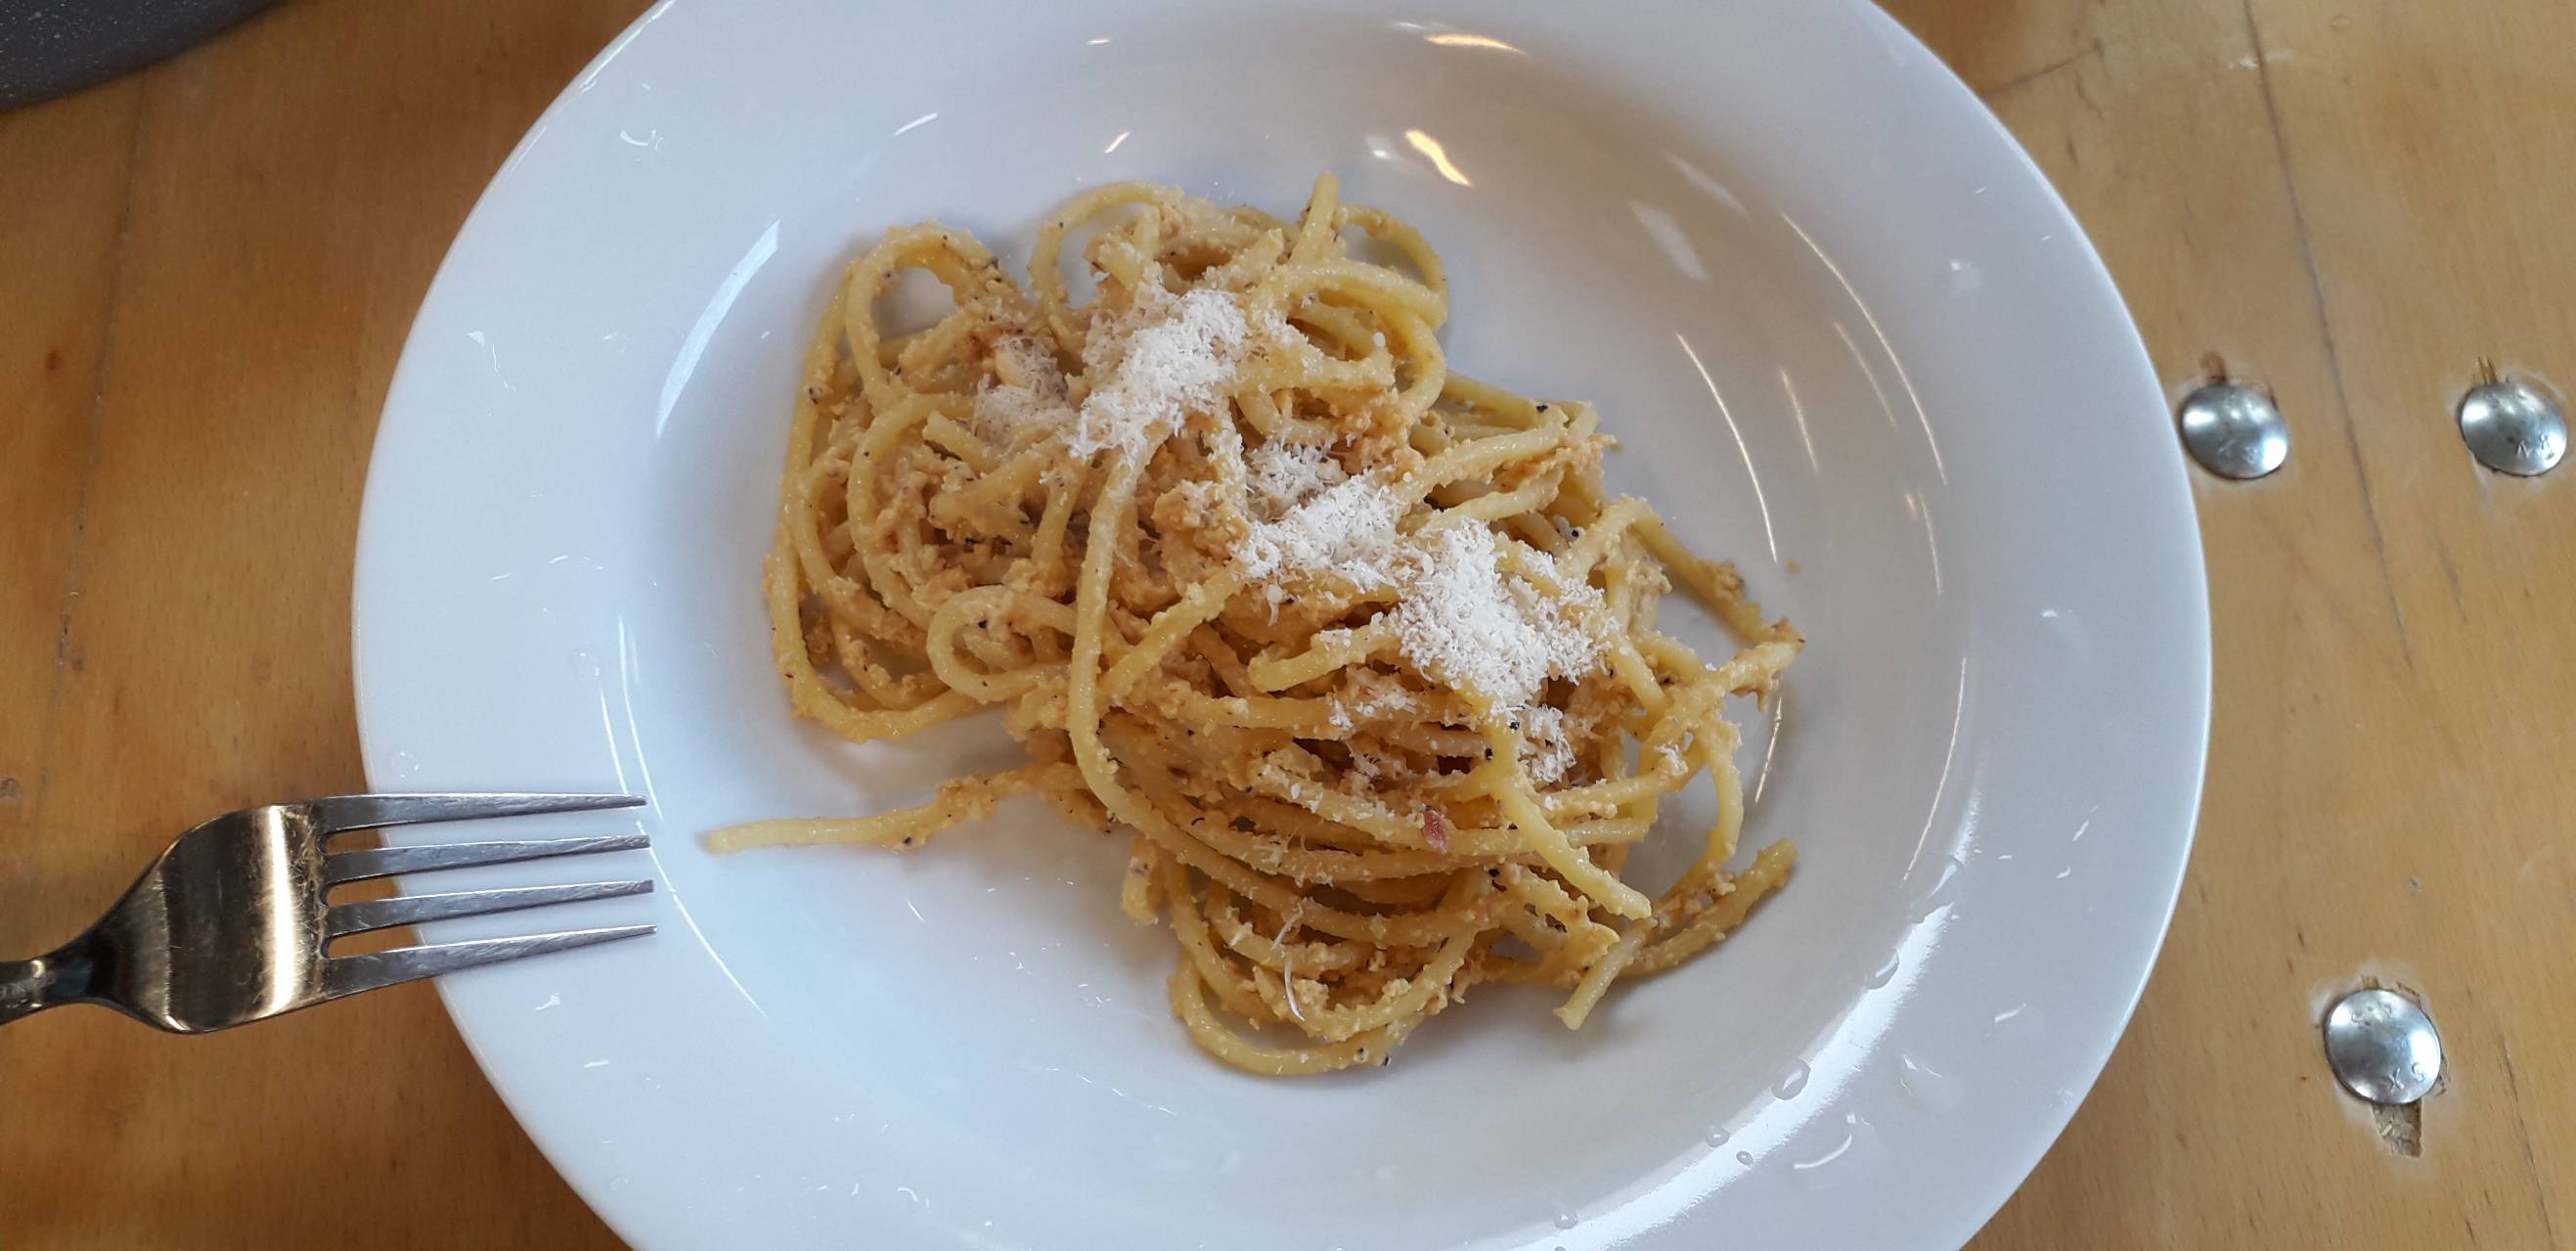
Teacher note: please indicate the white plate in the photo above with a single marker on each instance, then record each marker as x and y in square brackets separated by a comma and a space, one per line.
[1839, 319]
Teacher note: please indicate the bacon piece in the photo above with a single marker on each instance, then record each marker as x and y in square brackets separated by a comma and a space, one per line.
[1435, 829]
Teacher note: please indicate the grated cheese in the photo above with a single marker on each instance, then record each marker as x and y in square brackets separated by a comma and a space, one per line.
[1348, 529]
[1467, 624]
[1283, 475]
[1545, 749]
[1458, 616]
[1380, 693]
[1162, 359]
[1022, 360]
[1673, 760]
[1026, 397]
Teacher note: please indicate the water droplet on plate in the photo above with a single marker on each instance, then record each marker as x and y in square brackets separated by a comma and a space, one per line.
[1886, 973]
[1793, 1081]
[1744, 1158]
[1963, 279]
[1945, 888]
[1936, 1090]
[1565, 1218]
[1830, 1154]
[1717, 1137]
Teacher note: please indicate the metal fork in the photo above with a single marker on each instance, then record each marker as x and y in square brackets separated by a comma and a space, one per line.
[231, 925]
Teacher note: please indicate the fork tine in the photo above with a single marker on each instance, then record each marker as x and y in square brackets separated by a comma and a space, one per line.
[360, 864]
[373, 812]
[376, 914]
[348, 975]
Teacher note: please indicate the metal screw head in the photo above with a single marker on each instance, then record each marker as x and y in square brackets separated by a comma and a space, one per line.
[2512, 428]
[2382, 1046]
[2234, 431]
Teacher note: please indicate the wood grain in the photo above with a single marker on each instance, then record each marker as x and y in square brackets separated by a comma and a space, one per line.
[209, 267]
[62, 182]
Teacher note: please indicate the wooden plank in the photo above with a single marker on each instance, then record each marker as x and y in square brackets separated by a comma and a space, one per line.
[63, 177]
[294, 186]
[2316, 197]
[2431, 148]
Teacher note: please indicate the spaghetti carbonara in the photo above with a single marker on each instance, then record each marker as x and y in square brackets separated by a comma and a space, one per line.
[1356, 651]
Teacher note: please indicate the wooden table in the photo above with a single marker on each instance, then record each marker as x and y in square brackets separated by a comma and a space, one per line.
[206, 272]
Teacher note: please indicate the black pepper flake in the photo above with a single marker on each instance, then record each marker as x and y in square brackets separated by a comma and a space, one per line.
[907, 840]
[1542, 408]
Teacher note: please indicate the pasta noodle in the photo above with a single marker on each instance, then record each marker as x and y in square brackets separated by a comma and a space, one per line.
[1357, 651]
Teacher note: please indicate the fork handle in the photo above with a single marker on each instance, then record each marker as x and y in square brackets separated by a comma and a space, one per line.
[28, 987]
